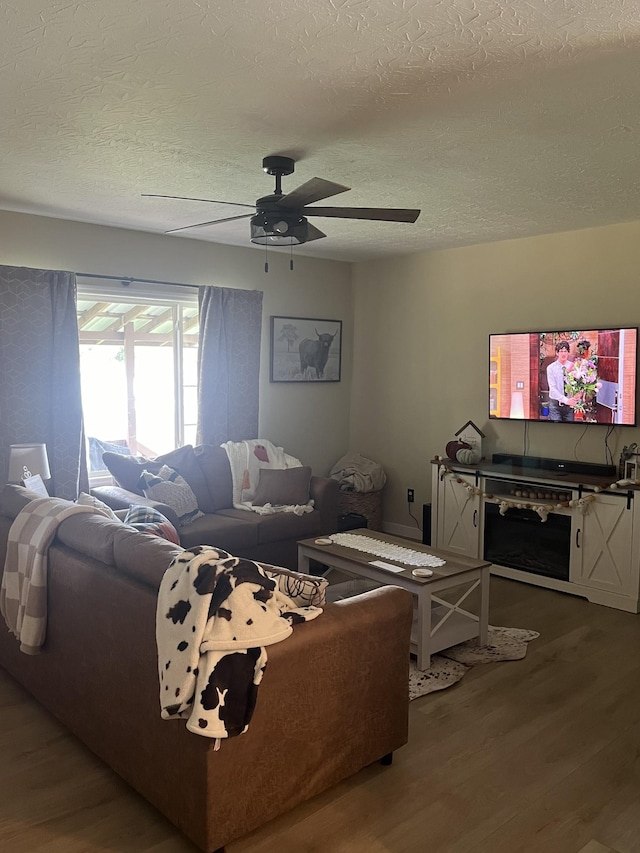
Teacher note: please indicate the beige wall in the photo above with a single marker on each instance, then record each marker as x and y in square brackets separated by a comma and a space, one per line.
[420, 356]
[310, 420]
[422, 322]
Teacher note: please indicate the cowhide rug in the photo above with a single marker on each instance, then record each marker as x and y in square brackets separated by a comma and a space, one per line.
[450, 665]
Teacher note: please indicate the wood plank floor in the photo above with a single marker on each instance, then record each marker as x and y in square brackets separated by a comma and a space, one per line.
[534, 756]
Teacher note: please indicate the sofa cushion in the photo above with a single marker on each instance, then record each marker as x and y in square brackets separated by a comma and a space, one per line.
[92, 535]
[283, 486]
[144, 558]
[232, 534]
[168, 487]
[15, 498]
[278, 526]
[216, 471]
[184, 461]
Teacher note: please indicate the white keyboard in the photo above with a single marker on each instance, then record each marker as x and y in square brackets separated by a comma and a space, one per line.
[386, 550]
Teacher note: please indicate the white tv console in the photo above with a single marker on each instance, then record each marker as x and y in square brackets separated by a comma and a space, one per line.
[591, 547]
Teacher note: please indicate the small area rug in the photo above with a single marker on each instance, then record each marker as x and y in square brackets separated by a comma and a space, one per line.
[450, 665]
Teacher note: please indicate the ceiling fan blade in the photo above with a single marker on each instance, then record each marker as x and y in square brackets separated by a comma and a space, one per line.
[314, 233]
[188, 198]
[211, 222]
[314, 190]
[384, 214]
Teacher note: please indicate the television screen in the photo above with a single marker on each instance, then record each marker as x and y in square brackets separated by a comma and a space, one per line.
[586, 376]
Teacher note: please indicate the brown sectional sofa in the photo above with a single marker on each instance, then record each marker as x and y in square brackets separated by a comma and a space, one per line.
[334, 697]
[270, 538]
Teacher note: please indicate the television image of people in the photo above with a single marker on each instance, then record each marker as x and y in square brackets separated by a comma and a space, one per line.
[578, 376]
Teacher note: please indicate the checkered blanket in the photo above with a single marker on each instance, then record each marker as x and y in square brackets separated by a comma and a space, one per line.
[23, 594]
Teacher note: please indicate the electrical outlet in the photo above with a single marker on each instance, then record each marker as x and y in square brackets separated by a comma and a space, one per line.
[410, 496]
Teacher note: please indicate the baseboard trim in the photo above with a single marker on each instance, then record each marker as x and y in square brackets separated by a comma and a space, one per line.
[403, 530]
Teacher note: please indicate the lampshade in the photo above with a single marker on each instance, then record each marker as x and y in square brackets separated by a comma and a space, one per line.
[26, 460]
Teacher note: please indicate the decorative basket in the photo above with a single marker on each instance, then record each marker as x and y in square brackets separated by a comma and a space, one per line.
[368, 504]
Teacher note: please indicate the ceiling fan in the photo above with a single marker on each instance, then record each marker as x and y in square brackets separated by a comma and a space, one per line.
[281, 219]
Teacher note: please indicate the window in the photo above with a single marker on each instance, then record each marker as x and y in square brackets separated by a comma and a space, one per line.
[138, 364]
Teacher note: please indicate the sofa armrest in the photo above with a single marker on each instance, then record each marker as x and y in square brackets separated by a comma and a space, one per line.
[324, 492]
[339, 686]
[119, 498]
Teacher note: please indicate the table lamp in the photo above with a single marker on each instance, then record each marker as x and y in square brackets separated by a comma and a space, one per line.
[27, 460]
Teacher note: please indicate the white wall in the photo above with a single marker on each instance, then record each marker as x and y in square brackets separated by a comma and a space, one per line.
[309, 420]
[422, 323]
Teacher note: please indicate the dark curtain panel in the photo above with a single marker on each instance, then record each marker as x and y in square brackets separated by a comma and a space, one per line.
[228, 364]
[40, 373]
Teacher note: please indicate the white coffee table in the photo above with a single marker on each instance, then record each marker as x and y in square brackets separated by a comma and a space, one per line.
[441, 622]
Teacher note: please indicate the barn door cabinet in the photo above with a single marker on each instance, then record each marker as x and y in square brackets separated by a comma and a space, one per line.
[604, 547]
[457, 516]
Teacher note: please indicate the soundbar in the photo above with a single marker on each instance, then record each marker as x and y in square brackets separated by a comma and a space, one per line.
[562, 466]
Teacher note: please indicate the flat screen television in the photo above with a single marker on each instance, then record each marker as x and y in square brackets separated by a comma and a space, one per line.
[584, 376]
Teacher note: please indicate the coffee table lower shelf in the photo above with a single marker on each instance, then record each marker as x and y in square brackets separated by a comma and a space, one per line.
[456, 628]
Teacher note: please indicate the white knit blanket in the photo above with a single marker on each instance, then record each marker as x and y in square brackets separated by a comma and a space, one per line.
[247, 458]
[23, 594]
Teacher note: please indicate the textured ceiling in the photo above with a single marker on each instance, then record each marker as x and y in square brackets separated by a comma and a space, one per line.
[498, 118]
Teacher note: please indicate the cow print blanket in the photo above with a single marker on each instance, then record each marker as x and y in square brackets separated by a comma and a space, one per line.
[215, 615]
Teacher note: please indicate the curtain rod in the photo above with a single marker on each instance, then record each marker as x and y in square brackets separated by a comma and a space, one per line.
[126, 279]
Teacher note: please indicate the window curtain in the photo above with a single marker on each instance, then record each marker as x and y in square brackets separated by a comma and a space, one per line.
[228, 364]
[40, 374]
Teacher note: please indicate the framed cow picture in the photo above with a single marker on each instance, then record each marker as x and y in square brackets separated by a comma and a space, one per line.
[305, 350]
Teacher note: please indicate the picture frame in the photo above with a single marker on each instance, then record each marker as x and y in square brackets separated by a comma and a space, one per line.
[305, 349]
[35, 483]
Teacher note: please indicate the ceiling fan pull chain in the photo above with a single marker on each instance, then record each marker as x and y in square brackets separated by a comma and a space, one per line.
[266, 262]
[291, 258]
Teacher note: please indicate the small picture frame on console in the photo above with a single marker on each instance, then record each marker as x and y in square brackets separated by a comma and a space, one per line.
[631, 468]
[35, 483]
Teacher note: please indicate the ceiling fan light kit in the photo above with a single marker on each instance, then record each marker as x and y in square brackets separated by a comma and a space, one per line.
[278, 229]
[280, 219]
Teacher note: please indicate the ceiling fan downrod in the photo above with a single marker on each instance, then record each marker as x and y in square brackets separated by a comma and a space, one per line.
[278, 166]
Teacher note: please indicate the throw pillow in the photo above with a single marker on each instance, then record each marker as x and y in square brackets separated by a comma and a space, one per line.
[139, 514]
[164, 530]
[303, 589]
[126, 470]
[184, 461]
[283, 486]
[168, 487]
[148, 519]
[88, 500]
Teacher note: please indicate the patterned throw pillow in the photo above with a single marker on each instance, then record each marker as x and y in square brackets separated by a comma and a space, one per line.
[146, 519]
[138, 514]
[168, 487]
[88, 500]
[302, 589]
